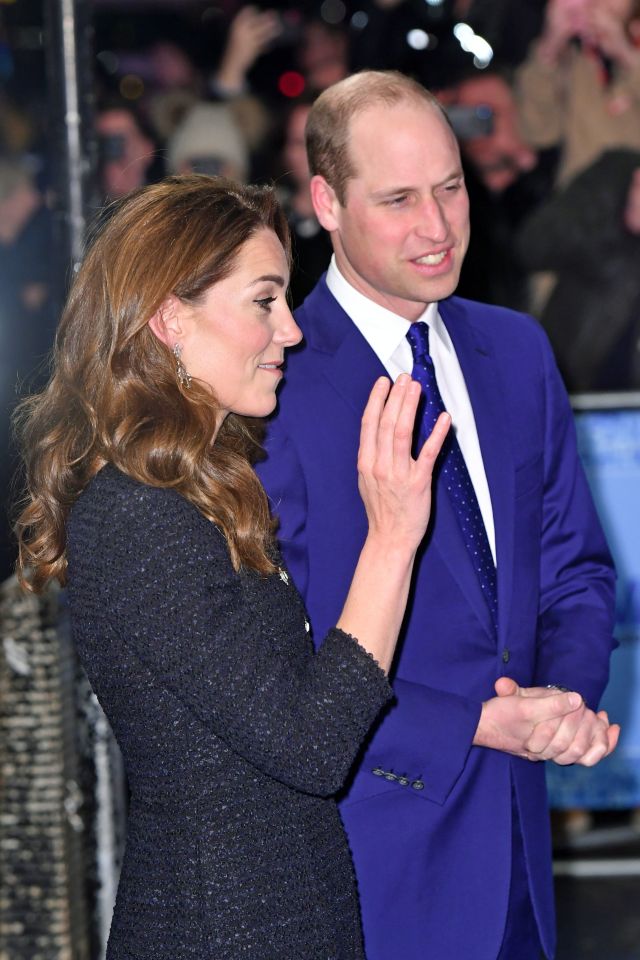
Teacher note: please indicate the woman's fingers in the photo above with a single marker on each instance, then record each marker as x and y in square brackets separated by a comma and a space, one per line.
[388, 426]
[404, 426]
[433, 444]
[371, 423]
[389, 420]
[394, 486]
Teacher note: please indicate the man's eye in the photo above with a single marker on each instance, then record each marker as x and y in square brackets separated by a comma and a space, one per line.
[396, 201]
[265, 302]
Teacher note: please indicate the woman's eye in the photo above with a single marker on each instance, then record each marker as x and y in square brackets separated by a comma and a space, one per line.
[265, 302]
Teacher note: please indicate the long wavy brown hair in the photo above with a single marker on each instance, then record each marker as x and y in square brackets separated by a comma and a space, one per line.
[114, 396]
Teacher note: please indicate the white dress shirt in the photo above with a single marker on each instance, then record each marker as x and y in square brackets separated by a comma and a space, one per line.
[386, 334]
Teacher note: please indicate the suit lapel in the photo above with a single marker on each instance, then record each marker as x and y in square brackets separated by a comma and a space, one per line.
[352, 367]
[482, 377]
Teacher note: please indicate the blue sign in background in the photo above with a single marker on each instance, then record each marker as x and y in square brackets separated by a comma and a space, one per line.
[609, 444]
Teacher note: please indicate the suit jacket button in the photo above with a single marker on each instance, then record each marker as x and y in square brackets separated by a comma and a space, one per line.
[377, 772]
[390, 776]
[417, 785]
[505, 656]
[403, 781]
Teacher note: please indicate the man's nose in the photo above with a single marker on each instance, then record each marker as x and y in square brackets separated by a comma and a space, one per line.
[432, 224]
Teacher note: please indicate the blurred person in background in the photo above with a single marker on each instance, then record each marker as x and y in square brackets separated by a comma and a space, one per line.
[588, 234]
[311, 244]
[26, 313]
[174, 85]
[252, 33]
[208, 140]
[16, 128]
[505, 178]
[483, 111]
[579, 90]
[323, 53]
[177, 85]
[127, 154]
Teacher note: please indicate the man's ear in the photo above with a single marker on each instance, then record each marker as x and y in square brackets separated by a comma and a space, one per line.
[325, 203]
[165, 322]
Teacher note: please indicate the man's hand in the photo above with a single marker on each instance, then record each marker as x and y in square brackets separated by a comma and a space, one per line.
[582, 737]
[538, 723]
[607, 31]
[564, 19]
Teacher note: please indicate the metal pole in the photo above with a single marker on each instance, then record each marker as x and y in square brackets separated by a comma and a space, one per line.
[68, 24]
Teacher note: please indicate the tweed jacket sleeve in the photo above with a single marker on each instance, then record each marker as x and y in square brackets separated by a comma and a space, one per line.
[232, 647]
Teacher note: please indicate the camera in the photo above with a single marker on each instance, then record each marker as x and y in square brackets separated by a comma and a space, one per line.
[471, 121]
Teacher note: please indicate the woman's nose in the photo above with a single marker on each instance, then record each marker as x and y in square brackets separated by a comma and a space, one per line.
[287, 332]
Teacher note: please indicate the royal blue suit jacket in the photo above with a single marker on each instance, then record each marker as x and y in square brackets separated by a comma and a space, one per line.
[429, 815]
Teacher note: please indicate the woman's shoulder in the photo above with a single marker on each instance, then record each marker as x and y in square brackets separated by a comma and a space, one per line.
[115, 505]
[115, 493]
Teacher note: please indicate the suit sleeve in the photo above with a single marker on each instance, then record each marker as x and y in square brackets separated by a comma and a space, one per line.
[283, 479]
[577, 579]
[426, 734]
[177, 603]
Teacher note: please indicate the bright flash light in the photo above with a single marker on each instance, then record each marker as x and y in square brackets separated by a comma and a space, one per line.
[471, 42]
[418, 39]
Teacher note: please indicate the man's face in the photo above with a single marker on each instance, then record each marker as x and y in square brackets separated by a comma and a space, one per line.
[402, 234]
[295, 153]
[501, 156]
[128, 171]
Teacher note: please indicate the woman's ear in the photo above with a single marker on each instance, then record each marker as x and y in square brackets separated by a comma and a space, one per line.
[165, 322]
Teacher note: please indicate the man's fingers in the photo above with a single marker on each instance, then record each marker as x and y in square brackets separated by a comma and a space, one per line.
[601, 747]
[613, 735]
[539, 693]
[541, 709]
[552, 737]
[506, 687]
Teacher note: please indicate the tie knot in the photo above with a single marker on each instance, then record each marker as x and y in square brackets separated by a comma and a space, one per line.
[418, 337]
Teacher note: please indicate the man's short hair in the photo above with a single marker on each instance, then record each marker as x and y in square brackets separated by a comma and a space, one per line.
[328, 124]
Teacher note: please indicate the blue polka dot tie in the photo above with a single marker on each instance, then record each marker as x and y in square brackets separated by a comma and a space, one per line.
[453, 469]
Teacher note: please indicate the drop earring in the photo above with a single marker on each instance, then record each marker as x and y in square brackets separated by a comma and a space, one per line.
[184, 379]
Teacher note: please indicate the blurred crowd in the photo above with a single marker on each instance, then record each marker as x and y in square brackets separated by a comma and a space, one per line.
[544, 98]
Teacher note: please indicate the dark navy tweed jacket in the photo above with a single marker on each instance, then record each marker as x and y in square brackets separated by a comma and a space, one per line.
[234, 733]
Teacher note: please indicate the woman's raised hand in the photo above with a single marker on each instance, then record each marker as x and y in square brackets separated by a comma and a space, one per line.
[395, 487]
[396, 491]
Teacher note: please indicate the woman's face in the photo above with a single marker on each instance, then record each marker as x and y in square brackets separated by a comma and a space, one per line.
[234, 341]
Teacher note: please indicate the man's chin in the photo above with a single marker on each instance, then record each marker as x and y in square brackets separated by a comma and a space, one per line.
[435, 289]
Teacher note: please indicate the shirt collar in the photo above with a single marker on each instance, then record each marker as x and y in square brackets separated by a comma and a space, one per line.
[382, 328]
